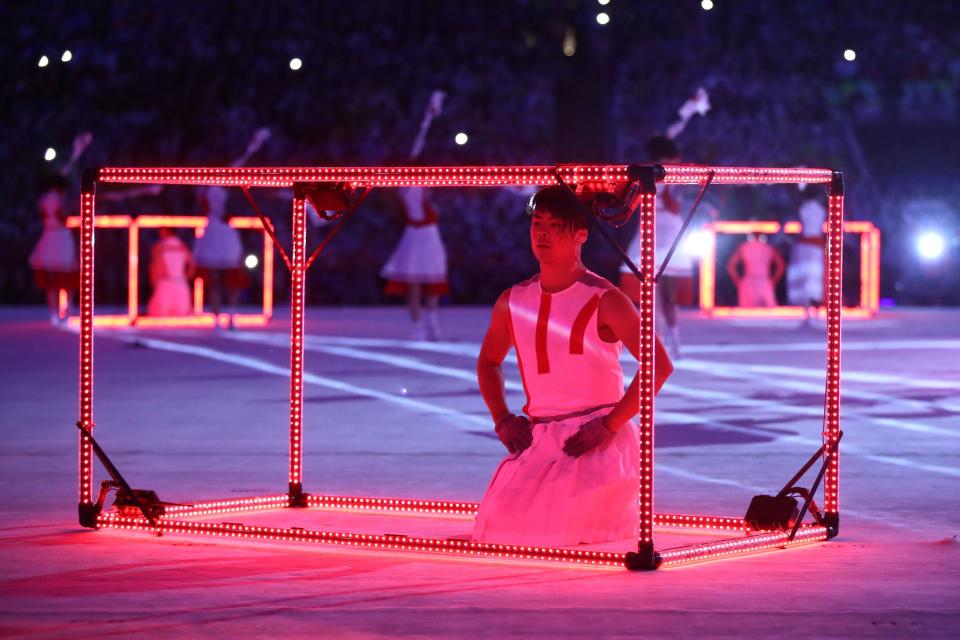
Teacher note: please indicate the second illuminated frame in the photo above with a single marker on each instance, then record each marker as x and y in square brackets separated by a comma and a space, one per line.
[869, 299]
[303, 178]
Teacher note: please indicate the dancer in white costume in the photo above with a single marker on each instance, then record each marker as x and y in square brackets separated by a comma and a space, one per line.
[218, 253]
[762, 269]
[170, 268]
[679, 271]
[572, 473]
[417, 268]
[805, 273]
[54, 258]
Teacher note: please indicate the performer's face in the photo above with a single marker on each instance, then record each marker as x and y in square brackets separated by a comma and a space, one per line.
[553, 241]
[50, 201]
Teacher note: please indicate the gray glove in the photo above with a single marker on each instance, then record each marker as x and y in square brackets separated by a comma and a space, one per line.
[514, 432]
[590, 436]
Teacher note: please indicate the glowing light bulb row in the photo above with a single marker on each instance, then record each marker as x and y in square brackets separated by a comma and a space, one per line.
[395, 504]
[741, 546]
[646, 266]
[834, 299]
[297, 275]
[228, 506]
[87, 223]
[364, 176]
[386, 542]
[693, 174]
[716, 523]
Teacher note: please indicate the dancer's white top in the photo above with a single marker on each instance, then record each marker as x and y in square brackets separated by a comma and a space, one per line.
[565, 366]
[667, 227]
[812, 215]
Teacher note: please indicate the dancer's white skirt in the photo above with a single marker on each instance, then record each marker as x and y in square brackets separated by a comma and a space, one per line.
[544, 497]
[805, 274]
[419, 257]
[55, 251]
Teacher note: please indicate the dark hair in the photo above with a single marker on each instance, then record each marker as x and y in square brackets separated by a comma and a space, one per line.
[560, 203]
[53, 182]
[661, 147]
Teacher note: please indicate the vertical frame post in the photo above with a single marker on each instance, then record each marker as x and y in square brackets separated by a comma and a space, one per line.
[297, 277]
[646, 557]
[86, 508]
[834, 300]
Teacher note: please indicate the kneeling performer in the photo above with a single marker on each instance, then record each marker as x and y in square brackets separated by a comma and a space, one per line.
[572, 475]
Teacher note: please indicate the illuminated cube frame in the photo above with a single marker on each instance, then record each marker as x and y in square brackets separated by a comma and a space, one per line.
[199, 318]
[869, 302]
[304, 178]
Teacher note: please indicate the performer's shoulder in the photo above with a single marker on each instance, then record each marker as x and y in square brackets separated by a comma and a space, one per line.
[526, 283]
[591, 279]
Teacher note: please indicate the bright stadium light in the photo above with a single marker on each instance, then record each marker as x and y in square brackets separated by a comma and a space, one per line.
[707, 5]
[461, 138]
[569, 42]
[67, 56]
[251, 261]
[603, 18]
[696, 243]
[849, 55]
[603, 2]
[296, 63]
[50, 154]
[44, 61]
[930, 245]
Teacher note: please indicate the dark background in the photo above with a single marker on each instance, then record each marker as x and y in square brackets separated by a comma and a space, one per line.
[186, 83]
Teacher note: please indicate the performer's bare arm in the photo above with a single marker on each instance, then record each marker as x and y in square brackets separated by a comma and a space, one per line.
[618, 318]
[514, 431]
[496, 345]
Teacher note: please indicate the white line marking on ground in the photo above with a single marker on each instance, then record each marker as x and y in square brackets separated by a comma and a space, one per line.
[415, 364]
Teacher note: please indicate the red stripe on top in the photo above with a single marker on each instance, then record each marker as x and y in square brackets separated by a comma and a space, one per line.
[543, 320]
[580, 325]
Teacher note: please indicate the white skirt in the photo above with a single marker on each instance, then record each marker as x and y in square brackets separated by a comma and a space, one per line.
[55, 251]
[544, 497]
[419, 257]
[805, 274]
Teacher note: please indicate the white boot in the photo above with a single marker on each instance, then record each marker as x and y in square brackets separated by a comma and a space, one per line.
[418, 332]
[433, 326]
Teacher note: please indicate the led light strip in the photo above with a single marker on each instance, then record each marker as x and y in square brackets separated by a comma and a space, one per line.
[448, 176]
[390, 542]
[297, 277]
[832, 396]
[692, 174]
[198, 319]
[869, 270]
[740, 546]
[87, 223]
[647, 349]
[234, 505]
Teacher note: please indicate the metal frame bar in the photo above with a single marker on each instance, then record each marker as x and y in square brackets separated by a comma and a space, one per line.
[199, 319]
[869, 303]
[646, 557]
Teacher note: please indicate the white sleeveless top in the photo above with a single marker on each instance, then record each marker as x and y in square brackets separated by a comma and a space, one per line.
[812, 215]
[564, 365]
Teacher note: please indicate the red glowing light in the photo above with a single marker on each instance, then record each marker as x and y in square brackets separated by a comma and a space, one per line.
[199, 319]
[869, 303]
[173, 520]
[473, 176]
[297, 277]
